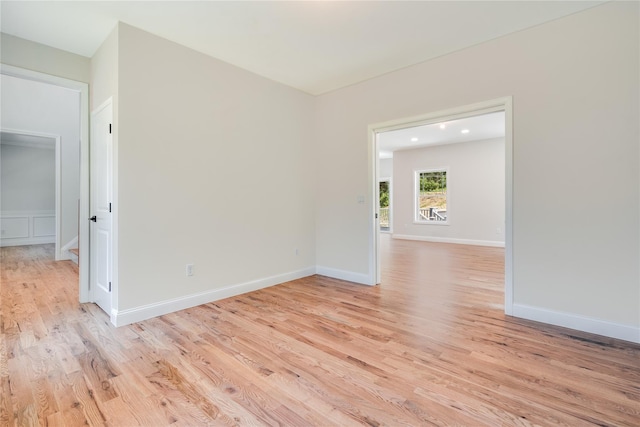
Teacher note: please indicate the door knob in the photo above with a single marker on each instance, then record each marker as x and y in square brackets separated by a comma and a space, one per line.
[93, 218]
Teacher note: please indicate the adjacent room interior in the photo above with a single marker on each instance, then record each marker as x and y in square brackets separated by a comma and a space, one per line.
[41, 164]
[28, 189]
[422, 167]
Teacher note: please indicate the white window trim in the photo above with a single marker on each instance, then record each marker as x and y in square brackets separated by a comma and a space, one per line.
[416, 194]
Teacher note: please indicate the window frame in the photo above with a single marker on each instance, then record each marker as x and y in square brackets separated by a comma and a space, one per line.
[416, 196]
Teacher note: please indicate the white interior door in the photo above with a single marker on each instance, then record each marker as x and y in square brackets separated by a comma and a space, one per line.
[100, 210]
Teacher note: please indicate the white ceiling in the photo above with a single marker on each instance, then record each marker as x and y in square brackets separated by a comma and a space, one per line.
[486, 126]
[315, 46]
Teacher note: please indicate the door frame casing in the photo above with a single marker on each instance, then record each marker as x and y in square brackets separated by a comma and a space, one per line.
[499, 104]
[83, 226]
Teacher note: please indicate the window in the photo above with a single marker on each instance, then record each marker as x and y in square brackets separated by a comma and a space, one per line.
[385, 200]
[431, 196]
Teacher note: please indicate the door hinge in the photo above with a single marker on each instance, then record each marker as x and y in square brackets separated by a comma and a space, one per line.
[109, 206]
[109, 286]
[109, 127]
[376, 216]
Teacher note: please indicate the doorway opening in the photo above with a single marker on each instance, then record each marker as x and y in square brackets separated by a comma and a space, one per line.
[78, 208]
[410, 184]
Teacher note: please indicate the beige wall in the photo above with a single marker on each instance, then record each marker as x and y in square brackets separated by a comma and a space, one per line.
[213, 169]
[44, 59]
[574, 83]
[104, 72]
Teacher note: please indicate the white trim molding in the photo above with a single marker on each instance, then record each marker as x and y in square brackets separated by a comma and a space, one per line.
[349, 276]
[577, 322]
[137, 314]
[492, 243]
[27, 228]
[27, 241]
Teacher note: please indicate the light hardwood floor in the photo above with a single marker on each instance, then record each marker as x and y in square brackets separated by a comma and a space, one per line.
[430, 346]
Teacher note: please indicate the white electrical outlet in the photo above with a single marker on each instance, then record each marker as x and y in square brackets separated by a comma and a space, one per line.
[189, 269]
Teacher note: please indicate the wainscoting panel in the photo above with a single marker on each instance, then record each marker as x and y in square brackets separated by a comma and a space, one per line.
[27, 228]
[14, 228]
[44, 226]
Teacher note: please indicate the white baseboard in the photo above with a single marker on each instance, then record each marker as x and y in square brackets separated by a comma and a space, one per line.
[64, 256]
[580, 323]
[492, 243]
[349, 276]
[137, 314]
[27, 241]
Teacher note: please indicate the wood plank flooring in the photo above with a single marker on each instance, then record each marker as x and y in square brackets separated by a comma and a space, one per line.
[430, 346]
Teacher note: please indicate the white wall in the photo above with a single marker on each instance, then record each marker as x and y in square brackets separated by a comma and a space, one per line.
[476, 192]
[32, 106]
[214, 170]
[575, 87]
[385, 169]
[27, 178]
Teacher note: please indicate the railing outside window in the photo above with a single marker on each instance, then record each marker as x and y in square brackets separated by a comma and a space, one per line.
[433, 214]
[384, 217]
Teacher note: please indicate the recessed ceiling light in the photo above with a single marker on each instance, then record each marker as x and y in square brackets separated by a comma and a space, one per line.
[442, 126]
[414, 139]
[465, 131]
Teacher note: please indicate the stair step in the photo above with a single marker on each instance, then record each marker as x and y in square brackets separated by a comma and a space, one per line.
[75, 255]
